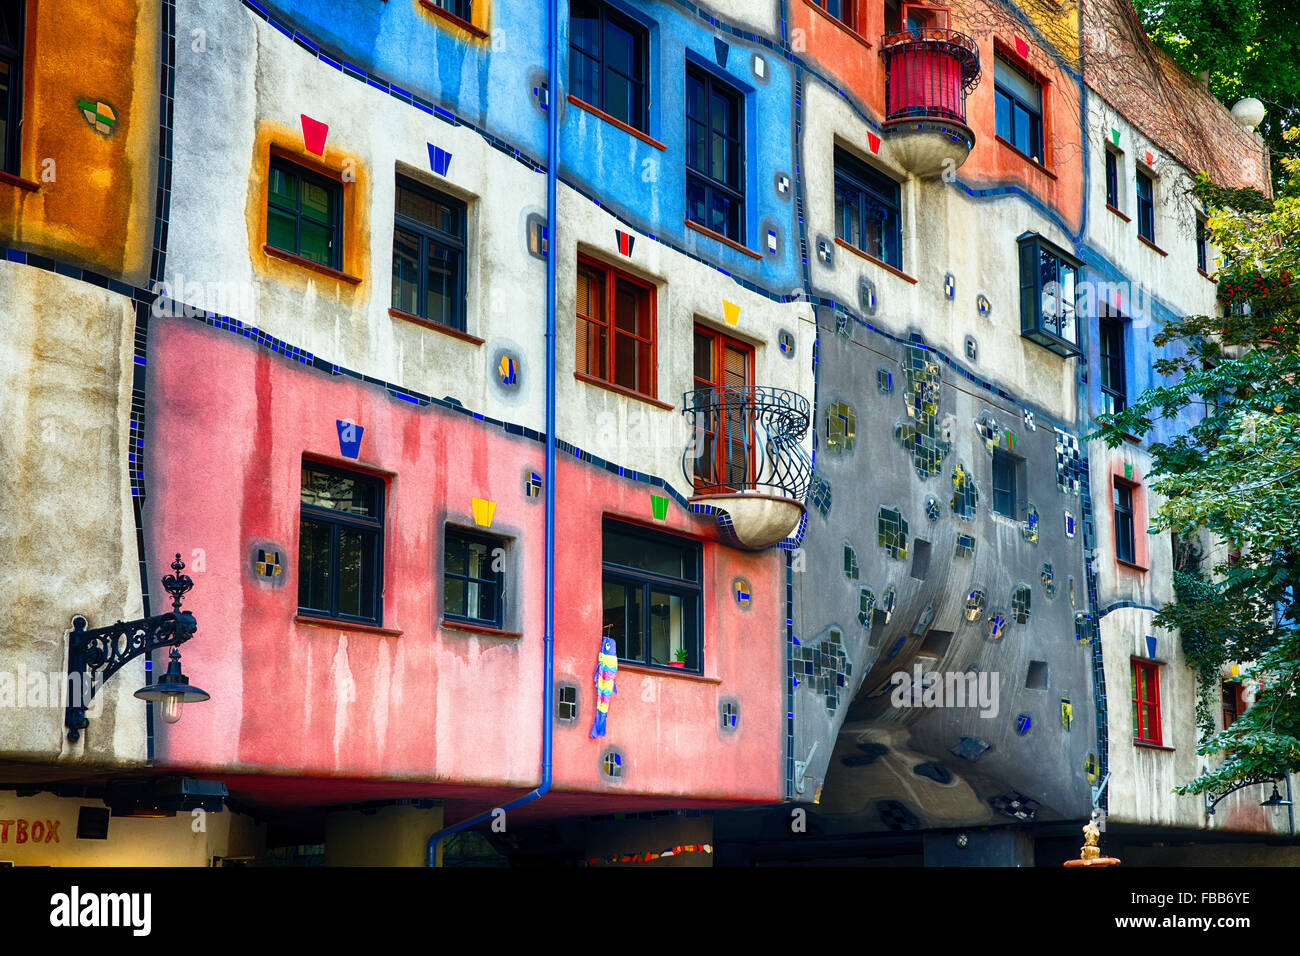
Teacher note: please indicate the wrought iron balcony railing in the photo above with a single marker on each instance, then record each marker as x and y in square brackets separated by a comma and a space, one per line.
[928, 73]
[748, 439]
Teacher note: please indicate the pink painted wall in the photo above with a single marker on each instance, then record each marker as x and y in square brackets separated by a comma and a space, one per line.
[228, 426]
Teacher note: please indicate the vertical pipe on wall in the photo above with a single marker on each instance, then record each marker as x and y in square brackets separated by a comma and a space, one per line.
[548, 642]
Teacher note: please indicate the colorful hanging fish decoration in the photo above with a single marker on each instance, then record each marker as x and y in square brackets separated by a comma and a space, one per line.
[606, 683]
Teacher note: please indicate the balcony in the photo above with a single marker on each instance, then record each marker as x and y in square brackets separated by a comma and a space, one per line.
[747, 458]
[929, 72]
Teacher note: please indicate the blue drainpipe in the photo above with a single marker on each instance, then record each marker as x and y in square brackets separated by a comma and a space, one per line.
[548, 679]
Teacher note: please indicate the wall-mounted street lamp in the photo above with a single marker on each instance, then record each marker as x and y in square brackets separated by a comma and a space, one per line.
[96, 655]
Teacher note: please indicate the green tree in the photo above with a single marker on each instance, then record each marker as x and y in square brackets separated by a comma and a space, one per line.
[1236, 473]
[1248, 48]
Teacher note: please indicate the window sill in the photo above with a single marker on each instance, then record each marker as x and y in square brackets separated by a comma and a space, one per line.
[452, 625]
[1204, 275]
[1147, 242]
[12, 180]
[308, 264]
[1131, 566]
[435, 326]
[1026, 157]
[584, 105]
[622, 390]
[658, 671]
[872, 259]
[1118, 213]
[453, 19]
[337, 624]
[722, 239]
[1152, 746]
[841, 24]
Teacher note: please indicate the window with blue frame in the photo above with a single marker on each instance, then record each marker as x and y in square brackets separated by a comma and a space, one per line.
[715, 165]
[474, 583]
[1049, 286]
[608, 62]
[1019, 109]
[1146, 207]
[651, 596]
[11, 75]
[304, 214]
[341, 541]
[429, 254]
[867, 213]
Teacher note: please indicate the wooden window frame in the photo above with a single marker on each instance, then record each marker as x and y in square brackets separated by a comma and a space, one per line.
[1143, 733]
[720, 343]
[611, 276]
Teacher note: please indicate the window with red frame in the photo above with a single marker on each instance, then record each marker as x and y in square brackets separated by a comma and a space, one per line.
[615, 328]
[726, 457]
[1234, 704]
[1146, 702]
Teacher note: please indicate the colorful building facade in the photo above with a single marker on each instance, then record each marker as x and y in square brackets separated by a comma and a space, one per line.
[822, 281]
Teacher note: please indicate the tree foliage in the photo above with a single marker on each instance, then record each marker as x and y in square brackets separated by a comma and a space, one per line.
[1236, 473]
[1248, 48]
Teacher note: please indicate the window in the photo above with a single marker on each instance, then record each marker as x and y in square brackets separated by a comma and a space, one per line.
[1112, 180]
[866, 209]
[841, 10]
[726, 454]
[1146, 702]
[1113, 395]
[11, 83]
[566, 703]
[429, 254]
[1202, 246]
[615, 328]
[457, 8]
[1125, 546]
[1146, 208]
[1049, 283]
[1019, 109]
[304, 213]
[714, 155]
[340, 552]
[608, 53]
[474, 586]
[1004, 483]
[1234, 704]
[651, 596]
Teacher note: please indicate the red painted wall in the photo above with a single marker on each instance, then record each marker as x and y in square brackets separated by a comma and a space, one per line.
[228, 426]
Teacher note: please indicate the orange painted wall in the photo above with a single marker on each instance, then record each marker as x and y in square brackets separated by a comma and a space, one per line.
[852, 57]
[97, 210]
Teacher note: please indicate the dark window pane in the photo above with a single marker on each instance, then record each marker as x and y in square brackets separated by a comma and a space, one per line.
[314, 566]
[621, 618]
[339, 492]
[356, 572]
[281, 230]
[406, 268]
[648, 554]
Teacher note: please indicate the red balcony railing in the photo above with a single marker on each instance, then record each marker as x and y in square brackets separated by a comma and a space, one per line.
[928, 73]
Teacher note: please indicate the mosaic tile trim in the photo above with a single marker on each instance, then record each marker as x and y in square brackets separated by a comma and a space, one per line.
[996, 626]
[921, 435]
[841, 427]
[1015, 805]
[1069, 464]
[990, 431]
[1020, 600]
[825, 669]
[896, 816]
[1049, 580]
[975, 602]
[1029, 527]
[965, 498]
[891, 532]
[866, 606]
[886, 609]
[965, 547]
[850, 562]
[932, 510]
